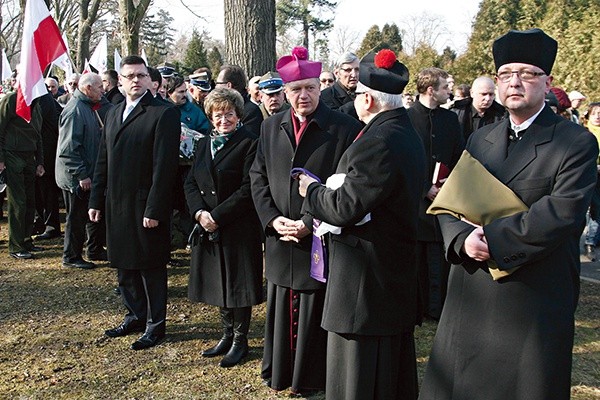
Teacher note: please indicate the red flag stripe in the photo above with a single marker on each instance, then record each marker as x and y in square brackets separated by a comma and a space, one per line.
[47, 32]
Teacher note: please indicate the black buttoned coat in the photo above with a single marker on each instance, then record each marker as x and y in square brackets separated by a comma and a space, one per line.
[372, 283]
[512, 338]
[440, 132]
[227, 272]
[275, 193]
[136, 168]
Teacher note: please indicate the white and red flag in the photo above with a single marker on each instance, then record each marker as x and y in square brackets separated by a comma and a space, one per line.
[41, 45]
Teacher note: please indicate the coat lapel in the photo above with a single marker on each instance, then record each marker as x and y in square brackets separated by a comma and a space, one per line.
[525, 151]
[137, 111]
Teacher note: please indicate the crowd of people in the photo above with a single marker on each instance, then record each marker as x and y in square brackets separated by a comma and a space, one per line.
[322, 183]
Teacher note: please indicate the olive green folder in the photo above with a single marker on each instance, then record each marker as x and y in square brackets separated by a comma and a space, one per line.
[473, 193]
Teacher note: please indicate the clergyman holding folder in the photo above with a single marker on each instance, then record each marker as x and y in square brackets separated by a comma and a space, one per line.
[512, 338]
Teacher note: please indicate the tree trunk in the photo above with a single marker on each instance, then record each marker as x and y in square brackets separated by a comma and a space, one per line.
[88, 15]
[250, 35]
[131, 15]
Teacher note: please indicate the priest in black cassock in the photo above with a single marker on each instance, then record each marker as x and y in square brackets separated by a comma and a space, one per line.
[313, 136]
[512, 338]
[371, 300]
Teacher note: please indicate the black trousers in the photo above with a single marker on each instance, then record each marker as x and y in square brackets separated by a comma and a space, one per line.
[46, 202]
[77, 225]
[144, 294]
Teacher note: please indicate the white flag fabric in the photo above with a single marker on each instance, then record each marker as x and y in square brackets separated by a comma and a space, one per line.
[99, 58]
[144, 57]
[64, 62]
[6, 71]
[117, 61]
[40, 46]
[86, 67]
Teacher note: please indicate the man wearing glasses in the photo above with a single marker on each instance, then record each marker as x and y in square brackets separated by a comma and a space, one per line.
[136, 168]
[513, 338]
[327, 79]
[70, 86]
[341, 95]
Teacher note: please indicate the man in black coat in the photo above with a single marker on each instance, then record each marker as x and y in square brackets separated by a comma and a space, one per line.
[136, 168]
[47, 221]
[341, 95]
[480, 109]
[513, 338]
[312, 136]
[440, 133]
[110, 83]
[371, 300]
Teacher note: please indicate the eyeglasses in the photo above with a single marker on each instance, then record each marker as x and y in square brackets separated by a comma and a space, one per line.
[523, 74]
[72, 83]
[350, 69]
[229, 116]
[326, 80]
[131, 77]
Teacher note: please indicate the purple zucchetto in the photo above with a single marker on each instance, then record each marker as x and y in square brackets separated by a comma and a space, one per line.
[297, 66]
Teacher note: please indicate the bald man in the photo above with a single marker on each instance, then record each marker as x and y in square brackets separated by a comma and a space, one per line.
[480, 109]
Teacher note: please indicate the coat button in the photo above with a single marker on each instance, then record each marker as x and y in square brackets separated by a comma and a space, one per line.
[506, 259]
[213, 192]
[522, 255]
[202, 192]
[434, 157]
[513, 257]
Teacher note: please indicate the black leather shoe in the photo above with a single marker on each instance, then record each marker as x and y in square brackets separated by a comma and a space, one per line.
[81, 264]
[126, 328]
[34, 248]
[147, 341]
[48, 235]
[236, 353]
[21, 255]
[220, 348]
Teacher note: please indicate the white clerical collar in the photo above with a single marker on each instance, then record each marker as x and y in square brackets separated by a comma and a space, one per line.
[526, 124]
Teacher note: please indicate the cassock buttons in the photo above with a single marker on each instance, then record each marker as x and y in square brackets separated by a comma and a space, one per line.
[202, 192]
[506, 259]
[514, 257]
[521, 255]
[213, 192]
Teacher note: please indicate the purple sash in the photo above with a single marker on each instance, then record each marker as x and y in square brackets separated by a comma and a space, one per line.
[318, 251]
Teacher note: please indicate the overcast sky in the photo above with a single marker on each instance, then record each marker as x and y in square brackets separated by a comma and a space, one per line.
[354, 15]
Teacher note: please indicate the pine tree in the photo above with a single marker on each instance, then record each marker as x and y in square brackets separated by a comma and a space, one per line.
[305, 14]
[195, 54]
[373, 38]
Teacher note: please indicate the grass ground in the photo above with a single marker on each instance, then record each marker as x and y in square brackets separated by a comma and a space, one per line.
[52, 345]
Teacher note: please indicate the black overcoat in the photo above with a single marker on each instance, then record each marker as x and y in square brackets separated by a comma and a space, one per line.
[136, 168]
[275, 193]
[227, 272]
[513, 338]
[372, 283]
[440, 132]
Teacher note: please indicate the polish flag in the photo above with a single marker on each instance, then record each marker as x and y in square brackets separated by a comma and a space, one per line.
[41, 45]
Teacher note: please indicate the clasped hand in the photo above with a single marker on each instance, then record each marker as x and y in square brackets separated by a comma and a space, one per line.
[289, 229]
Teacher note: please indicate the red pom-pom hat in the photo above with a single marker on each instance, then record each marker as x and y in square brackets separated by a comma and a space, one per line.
[385, 59]
[383, 72]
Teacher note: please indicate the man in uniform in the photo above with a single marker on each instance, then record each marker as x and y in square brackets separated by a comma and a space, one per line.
[273, 99]
[312, 136]
[513, 338]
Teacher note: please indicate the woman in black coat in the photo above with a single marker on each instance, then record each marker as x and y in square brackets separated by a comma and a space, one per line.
[226, 268]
